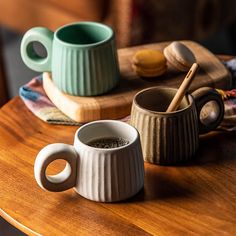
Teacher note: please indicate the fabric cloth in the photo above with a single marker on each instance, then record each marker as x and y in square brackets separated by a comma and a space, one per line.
[35, 98]
[229, 121]
[37, 101]
[39, 104]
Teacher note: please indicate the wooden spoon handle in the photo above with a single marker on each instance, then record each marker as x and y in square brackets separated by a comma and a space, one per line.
[183, 88]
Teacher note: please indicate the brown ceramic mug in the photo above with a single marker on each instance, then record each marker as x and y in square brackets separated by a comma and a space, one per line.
[172, 137]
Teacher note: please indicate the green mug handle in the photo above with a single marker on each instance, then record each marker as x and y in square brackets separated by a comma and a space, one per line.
[29, 56]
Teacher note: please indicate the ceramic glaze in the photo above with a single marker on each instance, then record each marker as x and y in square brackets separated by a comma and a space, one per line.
[172, 137]
[81, 56]
[98, 174]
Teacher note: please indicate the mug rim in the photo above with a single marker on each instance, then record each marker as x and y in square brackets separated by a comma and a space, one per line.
[111, 36]
[190, 101]
[77, 139]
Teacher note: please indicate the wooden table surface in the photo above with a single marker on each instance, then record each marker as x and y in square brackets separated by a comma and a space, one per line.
[198, 198]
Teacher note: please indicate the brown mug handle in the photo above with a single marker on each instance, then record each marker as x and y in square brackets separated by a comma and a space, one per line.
[201, 97]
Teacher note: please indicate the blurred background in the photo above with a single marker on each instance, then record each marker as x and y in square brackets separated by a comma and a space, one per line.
[209, 22]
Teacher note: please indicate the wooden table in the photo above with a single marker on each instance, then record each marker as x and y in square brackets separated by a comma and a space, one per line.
[198, 198]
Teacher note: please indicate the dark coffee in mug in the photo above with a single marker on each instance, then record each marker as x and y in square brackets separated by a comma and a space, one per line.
[111, 142]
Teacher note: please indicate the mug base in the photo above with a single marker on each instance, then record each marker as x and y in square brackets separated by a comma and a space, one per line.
[90, 93]
[110, 200]
[169, 162]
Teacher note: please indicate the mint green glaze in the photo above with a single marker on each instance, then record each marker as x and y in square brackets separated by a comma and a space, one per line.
[81, 56]
[30, 58]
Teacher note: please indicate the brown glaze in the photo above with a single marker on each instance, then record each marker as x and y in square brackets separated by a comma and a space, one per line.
[171, 137]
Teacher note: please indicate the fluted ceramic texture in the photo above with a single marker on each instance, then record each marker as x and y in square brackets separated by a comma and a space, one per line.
[167, 139]
[110, 175]
[85, 71]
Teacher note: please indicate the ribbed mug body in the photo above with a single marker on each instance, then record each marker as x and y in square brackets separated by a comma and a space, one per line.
[167, 138]
[85, 70]
[109, 175]
[81, 56]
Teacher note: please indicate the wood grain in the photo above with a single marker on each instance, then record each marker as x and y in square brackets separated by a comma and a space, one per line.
[117, 103]
[4, 96]
[198, 198]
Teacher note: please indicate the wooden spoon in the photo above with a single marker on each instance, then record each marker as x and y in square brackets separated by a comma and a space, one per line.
[183, 88]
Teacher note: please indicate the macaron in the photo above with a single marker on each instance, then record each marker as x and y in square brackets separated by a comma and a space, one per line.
[149, 63]
[179, 56]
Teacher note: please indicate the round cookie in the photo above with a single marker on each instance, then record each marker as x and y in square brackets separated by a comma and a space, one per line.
[179, 56]
[149, 72]
[149, 63]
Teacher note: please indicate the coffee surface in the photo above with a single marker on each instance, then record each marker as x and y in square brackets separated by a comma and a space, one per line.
[112, 142]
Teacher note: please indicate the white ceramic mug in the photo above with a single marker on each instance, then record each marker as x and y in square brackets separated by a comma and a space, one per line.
[98, 174]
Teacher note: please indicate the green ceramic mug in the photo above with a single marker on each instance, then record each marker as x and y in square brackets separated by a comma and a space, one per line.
[82, 57]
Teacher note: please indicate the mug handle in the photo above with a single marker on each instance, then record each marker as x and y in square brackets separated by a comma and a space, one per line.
[28, 55]
[201, 97]
[66, 178]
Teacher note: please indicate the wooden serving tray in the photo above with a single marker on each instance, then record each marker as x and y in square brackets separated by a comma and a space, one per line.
[117, 103]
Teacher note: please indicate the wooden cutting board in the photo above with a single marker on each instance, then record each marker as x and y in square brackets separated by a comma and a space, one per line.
[117, 103]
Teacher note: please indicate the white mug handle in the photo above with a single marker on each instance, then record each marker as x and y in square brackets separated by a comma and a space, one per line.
[66, 178]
